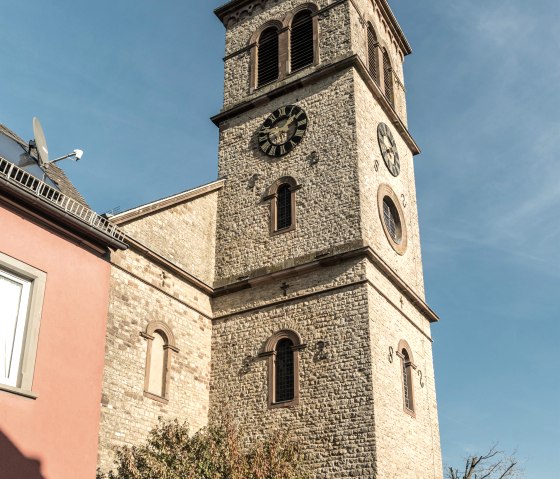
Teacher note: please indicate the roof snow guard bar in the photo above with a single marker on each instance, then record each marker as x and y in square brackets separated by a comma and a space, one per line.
[24, 180]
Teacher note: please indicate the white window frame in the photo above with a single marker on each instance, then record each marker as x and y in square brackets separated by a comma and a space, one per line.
[19, 380]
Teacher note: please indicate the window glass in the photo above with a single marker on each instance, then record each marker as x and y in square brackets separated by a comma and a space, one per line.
[284, 371]
[407, 381]
[284, 207]
[14, 299]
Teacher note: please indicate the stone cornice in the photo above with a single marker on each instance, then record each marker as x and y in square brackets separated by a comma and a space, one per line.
[319, 260]
[316, 75]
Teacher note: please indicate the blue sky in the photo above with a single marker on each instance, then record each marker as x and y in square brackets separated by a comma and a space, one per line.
[133, 83]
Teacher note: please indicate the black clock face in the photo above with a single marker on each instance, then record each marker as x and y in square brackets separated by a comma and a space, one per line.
[388, 149]
[283, 131]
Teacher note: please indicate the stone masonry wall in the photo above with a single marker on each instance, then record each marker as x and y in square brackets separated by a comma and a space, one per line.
[369, 115]
[407, 446]
[368, 10]
[333, 422]
[185, 234]
[327, 205]
[141, 294]
[334, 42]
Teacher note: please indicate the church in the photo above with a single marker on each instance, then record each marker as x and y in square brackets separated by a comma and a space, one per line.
[291, 289]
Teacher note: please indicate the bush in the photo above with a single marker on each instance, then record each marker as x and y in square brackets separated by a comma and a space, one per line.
[215, 452]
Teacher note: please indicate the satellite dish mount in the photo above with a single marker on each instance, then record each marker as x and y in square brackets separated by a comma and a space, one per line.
[40, 144]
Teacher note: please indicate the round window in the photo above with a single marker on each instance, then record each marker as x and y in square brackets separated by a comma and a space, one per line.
[392, 218]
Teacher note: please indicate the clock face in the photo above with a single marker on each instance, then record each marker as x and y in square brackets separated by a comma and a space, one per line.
[388, 149]
[283, 131]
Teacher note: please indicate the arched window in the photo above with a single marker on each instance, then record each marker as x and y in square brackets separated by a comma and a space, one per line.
[302, 49]
[158, 360]
[282, 197]
[282, 351]
[283, 207]
[388, 78]
[284, 388]
[407, 365]
[373, 61]
[268, 57]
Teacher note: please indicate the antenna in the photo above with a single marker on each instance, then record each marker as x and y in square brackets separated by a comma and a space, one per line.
[42, 149]
[40, 142]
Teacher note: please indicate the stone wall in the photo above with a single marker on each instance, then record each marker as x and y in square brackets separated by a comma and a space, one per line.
[333, 422]
[327, 205]
[184, 233]
[368, 117]
[142, 292]
[334, 42]
[407, 446]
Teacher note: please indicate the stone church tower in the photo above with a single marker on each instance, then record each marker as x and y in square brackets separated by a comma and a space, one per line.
[318, 263]
[291, 290]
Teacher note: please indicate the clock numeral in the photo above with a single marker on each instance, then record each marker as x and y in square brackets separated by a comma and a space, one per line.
[376, 165]
[266, 146]
[403, 198]
[293, 144]
[272, 150]
[299, 133]
[302, 122]
[282, 111]
[282, 150]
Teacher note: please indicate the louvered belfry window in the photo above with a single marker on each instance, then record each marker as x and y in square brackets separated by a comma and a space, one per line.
[268, 57]
[284, 371]
[407, 381]
[284, 207]
[388, 78]
[372, 54]
[301, 41]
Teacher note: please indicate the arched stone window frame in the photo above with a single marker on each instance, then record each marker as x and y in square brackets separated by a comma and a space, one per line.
[407, 366]
[170, 345]
[270, 353]
[272, 197]
[374, 56]
[287, 24]
[254, 52]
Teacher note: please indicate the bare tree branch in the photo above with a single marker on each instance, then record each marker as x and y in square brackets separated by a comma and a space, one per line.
[491, 465]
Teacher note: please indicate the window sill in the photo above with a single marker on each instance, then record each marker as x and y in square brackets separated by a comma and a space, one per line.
[18, 391]
[283, 230]
[411, 413]
[284, 404]
[155, 397]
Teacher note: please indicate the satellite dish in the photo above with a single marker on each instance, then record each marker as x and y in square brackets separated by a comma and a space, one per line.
[40, 141]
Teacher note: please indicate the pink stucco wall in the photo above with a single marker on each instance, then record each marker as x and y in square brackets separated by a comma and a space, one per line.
[55, 435]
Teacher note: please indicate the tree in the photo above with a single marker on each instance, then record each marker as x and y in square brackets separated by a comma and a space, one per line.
[492, 465]
[215, 452]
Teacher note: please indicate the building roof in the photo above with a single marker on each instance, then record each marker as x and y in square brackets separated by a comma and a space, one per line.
[53, 172]
[167, 202]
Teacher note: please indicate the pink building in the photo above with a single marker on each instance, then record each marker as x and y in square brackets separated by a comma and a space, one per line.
[54, 286]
